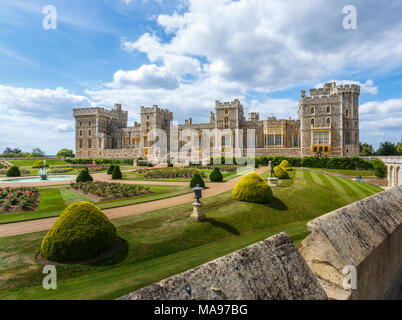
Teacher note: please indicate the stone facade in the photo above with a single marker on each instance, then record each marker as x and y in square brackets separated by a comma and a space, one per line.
[327, 124]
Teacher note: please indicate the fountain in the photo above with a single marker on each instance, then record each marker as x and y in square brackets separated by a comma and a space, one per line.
[43, 172]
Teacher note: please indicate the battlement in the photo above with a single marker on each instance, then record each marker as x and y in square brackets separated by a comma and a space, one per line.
[234, 104]
[94, 111]
[331, 89]
[154, 109]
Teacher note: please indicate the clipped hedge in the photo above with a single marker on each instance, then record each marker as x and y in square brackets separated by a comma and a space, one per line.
[280, 173]
[216, 175]
[197, 179]
[13, 171]
[252, 188]
[380, 168]
[110, 169]
[81, 232]
[116, 175]
[84, 176]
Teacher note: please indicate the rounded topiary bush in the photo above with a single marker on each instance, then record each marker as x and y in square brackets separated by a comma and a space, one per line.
[81, 232]
[13, 171]
[280, 173]
[116, 175]
[216, 175]
[252, 188]
[197, 179]
[84, 176]
[286, 165]
[110, 169]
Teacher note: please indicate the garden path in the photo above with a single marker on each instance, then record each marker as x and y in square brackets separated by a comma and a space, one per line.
[24, 227]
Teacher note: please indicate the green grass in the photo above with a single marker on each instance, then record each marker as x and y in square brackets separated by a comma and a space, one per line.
[351, 173]
[166, 242]
[29, 163]
[53, 200]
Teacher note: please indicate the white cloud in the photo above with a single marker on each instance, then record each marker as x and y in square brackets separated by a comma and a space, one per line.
[145, 77]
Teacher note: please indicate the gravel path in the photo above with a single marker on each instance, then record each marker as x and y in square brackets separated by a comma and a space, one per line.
[23, 227]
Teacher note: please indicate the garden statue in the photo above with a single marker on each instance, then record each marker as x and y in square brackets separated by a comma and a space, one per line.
[271, 167]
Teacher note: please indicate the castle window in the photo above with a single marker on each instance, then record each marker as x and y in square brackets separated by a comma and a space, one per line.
[89, 132]
[80, 144]
[80, 123]
[80, 133]
[89, 143]
[223, 140]
[296, 140]
[347, 138]
[325, 149]
[226, 111]
[312, 110]
[347, 124]
[328, 109]
[147, 117]
[328, 120]
[278, 140]
[226, 123]
[89, 123]
[100, 142]
[347, 113]
[356, 138]
[312, 121]
[271, 140]
[321, 137]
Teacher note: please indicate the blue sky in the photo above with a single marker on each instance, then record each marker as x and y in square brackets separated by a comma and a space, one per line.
[185, 54]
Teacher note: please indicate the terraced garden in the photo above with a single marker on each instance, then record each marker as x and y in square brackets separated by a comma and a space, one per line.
[165, 242]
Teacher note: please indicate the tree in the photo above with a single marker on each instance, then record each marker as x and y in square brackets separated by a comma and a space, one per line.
[84, 176]
[380, 168]
[216, 175]
[11, 150]
[38, 153]
[366, 149]
[387, 149]
[197, 179]
[399, 148]
[116, 175]
[13, 171]
[65, 153]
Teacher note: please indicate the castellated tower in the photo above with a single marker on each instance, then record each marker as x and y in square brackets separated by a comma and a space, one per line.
[329, 121]
[97, 129]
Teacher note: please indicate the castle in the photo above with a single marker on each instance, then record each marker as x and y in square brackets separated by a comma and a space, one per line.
[327, 125]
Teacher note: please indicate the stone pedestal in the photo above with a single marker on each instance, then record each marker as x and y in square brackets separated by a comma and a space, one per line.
[197, 214]
[273, 182]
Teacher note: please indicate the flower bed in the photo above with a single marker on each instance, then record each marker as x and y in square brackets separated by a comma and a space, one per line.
[169, 173]
[66, 169]
[222, 167]
[18, 199]
[101, 191]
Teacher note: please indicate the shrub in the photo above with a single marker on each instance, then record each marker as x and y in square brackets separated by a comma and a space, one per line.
[380, 168]
[197, 179]
[286, 165]
[38, 164]
[252, 188]
[216, 175]
[110, 169]
[13, 171]
[280, 173]
[82, 231]
[116, 173]
[84, 176]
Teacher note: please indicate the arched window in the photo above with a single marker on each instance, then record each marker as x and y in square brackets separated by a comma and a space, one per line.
[347, 113]
[89, 133]
[312, 121]
[347, 124]
[312, 110]
[80, 133]
[328, 120]
[89, 123]
[328, 109]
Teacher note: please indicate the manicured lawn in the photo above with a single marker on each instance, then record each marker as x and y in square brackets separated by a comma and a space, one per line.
[54, 199]
[29, 163]
[166, 242]
[352, 173]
